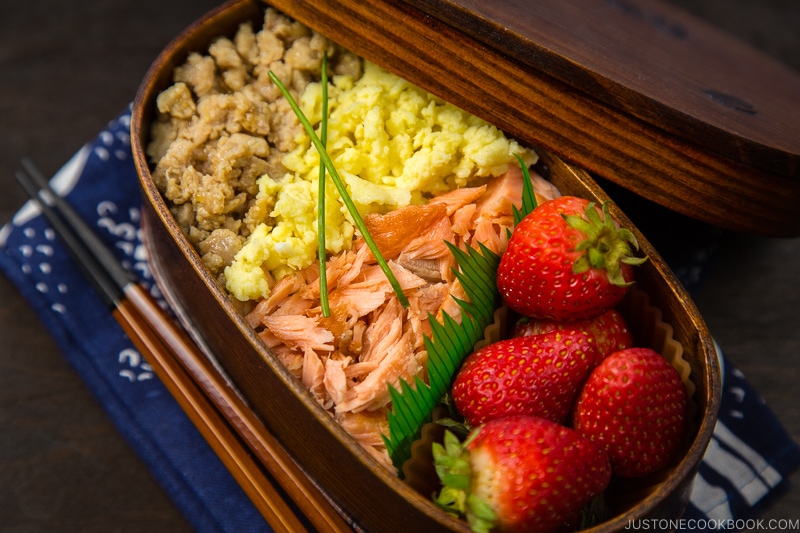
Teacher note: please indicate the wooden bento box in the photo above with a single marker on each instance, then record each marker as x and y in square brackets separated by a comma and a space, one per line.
[369, 496]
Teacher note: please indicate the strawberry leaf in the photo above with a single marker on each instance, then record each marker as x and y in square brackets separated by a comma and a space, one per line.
[451, 461]
[480, 516]
[605, 245]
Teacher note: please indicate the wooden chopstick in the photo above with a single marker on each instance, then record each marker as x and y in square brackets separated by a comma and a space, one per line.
[200, 390]
[300, 488]
[261, 491]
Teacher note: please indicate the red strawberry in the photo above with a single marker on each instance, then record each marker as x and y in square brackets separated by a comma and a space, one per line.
[519, 473]
[634, 404]
[538, 375]
[610, 331]
[566, 260]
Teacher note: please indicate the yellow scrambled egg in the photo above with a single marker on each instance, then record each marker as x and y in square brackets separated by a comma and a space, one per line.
[392, 143]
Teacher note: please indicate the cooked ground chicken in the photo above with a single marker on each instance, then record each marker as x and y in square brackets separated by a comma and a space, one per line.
[223, 124]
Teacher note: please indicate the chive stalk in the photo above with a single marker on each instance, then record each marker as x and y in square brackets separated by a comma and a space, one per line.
[323, 273]
[337, 181]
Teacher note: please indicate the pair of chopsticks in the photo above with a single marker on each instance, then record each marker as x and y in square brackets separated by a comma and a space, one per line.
[273, 483]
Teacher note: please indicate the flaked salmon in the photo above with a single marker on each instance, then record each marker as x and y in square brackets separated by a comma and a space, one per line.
[347, 360]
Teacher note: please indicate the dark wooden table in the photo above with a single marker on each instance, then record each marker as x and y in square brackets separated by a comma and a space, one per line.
[66, 68]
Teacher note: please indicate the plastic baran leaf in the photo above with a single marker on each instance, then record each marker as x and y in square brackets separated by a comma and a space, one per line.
[528, 194]
[450, 342]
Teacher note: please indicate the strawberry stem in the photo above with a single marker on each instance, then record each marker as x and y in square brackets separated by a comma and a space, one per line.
[606, 246]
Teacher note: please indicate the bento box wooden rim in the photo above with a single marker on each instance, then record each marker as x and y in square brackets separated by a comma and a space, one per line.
[228, 15]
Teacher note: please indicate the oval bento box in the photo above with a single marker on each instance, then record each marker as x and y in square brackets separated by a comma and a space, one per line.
[372, 498]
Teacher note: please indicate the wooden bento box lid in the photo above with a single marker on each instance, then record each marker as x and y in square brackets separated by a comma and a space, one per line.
[639, 93]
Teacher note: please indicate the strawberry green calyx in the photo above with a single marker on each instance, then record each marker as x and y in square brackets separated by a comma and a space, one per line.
[606, 246]
[566, 260]
[451, 460]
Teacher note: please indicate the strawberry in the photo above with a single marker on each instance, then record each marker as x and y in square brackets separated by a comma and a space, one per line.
[610, 331]
[519, 473]
[633, 404]
[566, 260]
[538, 375]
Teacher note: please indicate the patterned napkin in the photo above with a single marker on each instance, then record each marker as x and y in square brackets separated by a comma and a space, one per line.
[749, 456]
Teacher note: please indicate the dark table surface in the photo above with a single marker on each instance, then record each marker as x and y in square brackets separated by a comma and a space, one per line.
[67, 68]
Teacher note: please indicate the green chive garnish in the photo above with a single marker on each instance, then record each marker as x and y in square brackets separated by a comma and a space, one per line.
[337, 181]
[323, 273]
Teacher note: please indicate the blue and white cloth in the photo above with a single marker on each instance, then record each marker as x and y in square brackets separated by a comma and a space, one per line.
[749, 457]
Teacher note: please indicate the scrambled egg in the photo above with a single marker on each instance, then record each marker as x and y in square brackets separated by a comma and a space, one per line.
[392, 143]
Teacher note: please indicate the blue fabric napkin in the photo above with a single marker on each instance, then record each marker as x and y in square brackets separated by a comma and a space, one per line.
[101, 184]
[748, 459]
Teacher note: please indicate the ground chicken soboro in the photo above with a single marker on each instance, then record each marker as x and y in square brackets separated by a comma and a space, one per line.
[223, 124]
[241, 178]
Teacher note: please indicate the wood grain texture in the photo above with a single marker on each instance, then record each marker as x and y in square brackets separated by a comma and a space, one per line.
[653, 61]
[545, 111]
